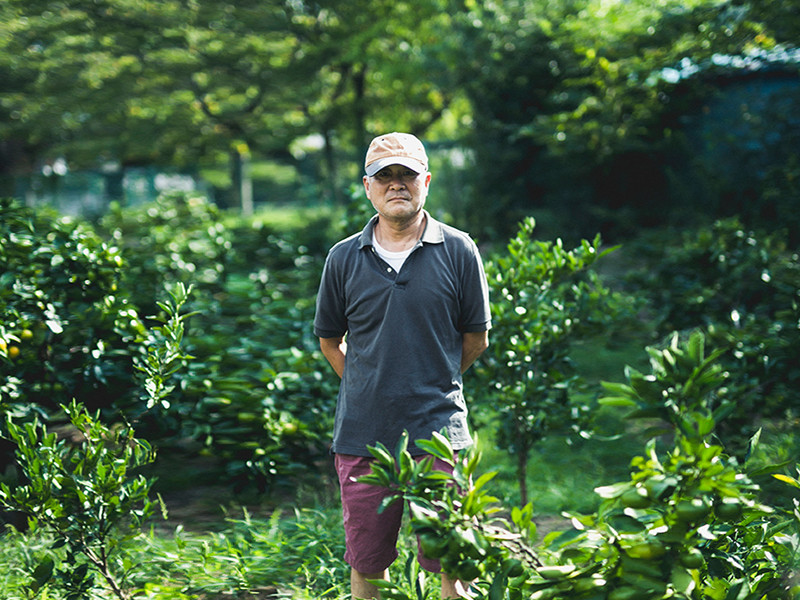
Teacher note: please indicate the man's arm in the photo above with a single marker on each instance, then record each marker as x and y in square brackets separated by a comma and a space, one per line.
[334, 350]
[472, 346]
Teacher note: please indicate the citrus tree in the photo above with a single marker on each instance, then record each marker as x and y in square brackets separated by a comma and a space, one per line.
[256, 398]
[543, 298]
[81, 490]
[688, 524]
[66, 325]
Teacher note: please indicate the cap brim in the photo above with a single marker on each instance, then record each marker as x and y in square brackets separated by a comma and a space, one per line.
[382, 163]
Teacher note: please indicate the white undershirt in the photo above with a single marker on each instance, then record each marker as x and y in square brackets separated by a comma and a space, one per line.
[395, 259]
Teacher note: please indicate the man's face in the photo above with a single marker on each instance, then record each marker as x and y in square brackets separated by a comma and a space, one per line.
[397, 192]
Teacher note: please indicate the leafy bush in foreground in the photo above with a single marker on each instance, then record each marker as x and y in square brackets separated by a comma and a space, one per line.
[79, 487]
[687, 525]
[86, 496]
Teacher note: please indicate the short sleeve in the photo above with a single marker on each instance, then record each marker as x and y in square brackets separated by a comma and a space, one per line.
[330, 320]
[475, 309]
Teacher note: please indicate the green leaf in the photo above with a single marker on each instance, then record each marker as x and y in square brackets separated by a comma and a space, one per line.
[42, 574]
[388, 501]
[438, 446]
[752, 444]
[483, 480]
[612, 491]
[619, 401]
[696, 347]
[472, 464]
[406, 463]
[683, 581]
[402, 445]
[790, 480]
[498, 587]
[382, 455]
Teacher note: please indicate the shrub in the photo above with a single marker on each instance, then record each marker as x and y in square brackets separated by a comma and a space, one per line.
[177, 238]
[688, 524]
[544, 298]
[66, 324]
[84, 494]
[80, 490]
[257, 397]
[742, 286]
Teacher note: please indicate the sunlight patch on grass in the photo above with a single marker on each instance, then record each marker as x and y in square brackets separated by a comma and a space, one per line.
[284, 216]
[562, 476]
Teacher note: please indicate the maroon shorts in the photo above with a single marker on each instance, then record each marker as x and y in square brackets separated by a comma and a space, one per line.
[371, 538]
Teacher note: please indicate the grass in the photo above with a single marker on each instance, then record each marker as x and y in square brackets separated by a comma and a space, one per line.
[295, 553]
[562, 474]
[282, 217]
[288, 551]
[292, 553]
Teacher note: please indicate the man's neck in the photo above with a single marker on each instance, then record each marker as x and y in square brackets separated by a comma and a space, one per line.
[397, 237]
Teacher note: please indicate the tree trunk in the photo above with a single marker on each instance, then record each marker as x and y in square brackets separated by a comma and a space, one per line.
[242, 182]
[522, 473]
[331, 168]
[359, 106]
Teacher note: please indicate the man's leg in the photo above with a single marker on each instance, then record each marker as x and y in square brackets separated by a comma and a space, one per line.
[361, 588]
[454, 588]
[370, 537]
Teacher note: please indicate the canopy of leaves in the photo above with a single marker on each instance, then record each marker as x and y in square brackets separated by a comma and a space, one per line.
[572, 105]
[176, 82]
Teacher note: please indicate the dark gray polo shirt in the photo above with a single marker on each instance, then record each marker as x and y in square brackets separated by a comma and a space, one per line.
[404, 330]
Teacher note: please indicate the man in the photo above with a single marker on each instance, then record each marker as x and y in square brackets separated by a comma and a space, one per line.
[410, 295]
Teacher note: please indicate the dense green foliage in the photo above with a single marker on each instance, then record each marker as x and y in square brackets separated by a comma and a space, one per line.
[688, 524]
[742, 285]
[85, 496]
[599, 115]
[67, 326]
[227, 369]
[80, 486]
[544, 297]
[189, 84]
[588, 109]
[256, 397]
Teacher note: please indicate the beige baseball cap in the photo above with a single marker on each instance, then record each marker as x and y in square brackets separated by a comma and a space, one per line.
[395, 149]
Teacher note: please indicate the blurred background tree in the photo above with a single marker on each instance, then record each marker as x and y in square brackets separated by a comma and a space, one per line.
[579, 107]
[588, 113]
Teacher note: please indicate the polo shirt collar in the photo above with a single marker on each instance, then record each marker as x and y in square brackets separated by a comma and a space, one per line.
[433, 233]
